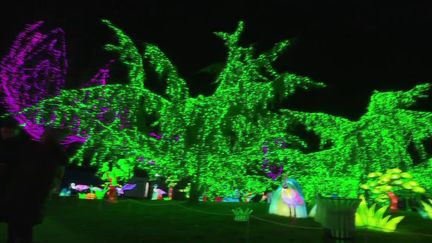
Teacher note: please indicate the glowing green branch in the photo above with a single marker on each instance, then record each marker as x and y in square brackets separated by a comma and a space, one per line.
[129, 55]
[379, 140]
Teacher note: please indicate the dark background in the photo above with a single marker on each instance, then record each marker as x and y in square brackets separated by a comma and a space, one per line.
[352, 46]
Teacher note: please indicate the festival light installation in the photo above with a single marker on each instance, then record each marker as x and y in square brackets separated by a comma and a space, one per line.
[288, 200]
[375, 220]
[217, 141]
[210, 139]
[242, 215]
[388, 187]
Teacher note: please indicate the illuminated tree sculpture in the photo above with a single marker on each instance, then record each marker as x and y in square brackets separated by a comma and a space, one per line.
[350, 150]
[215, 140]
[392, 185]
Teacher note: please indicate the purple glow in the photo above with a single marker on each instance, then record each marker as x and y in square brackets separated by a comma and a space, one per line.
[155, 135]
[160, 191]
[159, 137]
[73, 139]
[79, 187]
[34, 69]
[119, 191]
[101, 76]
[272, 171]
[124, 118]
[127, 187]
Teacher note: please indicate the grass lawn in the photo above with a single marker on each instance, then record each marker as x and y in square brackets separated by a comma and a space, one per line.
[128, 221]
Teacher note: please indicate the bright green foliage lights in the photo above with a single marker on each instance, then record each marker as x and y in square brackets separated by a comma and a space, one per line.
[350, 150]
[215, 141]
[369, 218]
[241, 215]
[129, 55]
[394, 180]
[427, 207]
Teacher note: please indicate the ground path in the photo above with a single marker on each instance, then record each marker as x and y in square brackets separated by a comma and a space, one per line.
[131, 221]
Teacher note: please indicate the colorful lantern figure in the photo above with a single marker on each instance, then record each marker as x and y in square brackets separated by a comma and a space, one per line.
[91, 196]
[160, 194]
[112, 194]
[393, 202]
[112, 191]
[79, 187]
[65, 192]
[100, 194]
[128, 187]
[157, 193]
[288, 200]
[170, 193]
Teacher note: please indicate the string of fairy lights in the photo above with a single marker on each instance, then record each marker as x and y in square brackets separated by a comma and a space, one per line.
[230, 140]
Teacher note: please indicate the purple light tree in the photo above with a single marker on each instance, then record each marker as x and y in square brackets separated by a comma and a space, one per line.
[34, 69]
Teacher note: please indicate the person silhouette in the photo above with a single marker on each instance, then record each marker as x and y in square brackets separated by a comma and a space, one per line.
[33, 168]
[8, 132]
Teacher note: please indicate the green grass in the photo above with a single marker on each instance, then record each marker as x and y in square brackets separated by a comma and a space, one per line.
[83, 221]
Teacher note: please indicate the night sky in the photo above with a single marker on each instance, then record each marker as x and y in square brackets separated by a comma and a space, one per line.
[352, 46]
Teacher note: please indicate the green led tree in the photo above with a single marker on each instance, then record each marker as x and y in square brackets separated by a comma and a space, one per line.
[379, 140]
[215, 141]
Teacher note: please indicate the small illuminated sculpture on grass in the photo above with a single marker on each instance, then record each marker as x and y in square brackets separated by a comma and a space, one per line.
[288, 200]
[369, 218]
[92, 192]
[128, 187]
[65, 192]
[157, 193]
[171, 183]
[79, 187]
[241, 215]
[112, 185]
[112, 193]
[426, 211]
[388, 187]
